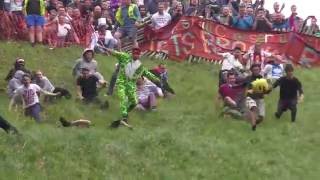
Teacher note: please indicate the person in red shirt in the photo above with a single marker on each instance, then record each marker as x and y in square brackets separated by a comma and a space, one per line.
[237, 104]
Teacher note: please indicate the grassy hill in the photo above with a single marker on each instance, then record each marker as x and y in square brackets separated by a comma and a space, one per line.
[184, 139]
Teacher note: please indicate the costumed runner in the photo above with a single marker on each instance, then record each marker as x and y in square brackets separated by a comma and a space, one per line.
[130, 69]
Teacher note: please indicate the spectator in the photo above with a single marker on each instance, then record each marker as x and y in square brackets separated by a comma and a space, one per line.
[250, 11]
[146, 96]
[86, 9]
[52, 5]
[50, 28]
[294, 22]
[62, 12]
[261, 22]
[109, 20]
[87, 62]
[44, 83]
[161, 18]
[278, 19]
[64, 30]
[106, 6]
[242, 21]
[87, 87]
[16, 7]
[235, 101]
[145, 15]
[97, 13]
[127, 16]
[225, 18]
[290, 93]
[18, 65]
[178, 12]
[192, 10]
[75, 4]
[313, 29]
[102, 38]
[29, 94]
[152, 5]
[35, 10]
[166, 6]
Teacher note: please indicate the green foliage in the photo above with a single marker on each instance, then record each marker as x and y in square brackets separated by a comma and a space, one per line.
[184, 139]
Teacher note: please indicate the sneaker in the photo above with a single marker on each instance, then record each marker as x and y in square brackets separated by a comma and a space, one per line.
[115, 124]
[254, 127]
[64, 122]
[125, 123]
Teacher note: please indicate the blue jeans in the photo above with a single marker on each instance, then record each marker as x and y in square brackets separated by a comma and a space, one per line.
[34, 112]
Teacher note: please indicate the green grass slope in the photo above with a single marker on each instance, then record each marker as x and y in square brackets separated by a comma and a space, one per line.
[184, 139]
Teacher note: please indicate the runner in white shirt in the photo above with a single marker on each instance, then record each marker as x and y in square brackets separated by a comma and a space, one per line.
[161, 18]
[28, 93]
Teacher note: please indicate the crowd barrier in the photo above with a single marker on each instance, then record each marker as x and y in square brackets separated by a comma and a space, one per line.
[188, 38]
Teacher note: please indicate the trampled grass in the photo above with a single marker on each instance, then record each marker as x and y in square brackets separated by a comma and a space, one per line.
[184, 139]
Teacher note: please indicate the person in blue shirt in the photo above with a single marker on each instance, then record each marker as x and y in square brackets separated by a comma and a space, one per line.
[242, 21]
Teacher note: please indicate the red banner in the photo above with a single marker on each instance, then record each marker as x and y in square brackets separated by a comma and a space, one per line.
[203, 38]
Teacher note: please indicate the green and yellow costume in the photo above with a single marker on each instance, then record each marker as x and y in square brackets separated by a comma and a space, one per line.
[130, 71]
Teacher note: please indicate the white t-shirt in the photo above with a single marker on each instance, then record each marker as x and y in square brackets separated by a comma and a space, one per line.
[230, 62]
[273, 71]
[29, 94]
[16, 5]
[159, 21]
[63, 29]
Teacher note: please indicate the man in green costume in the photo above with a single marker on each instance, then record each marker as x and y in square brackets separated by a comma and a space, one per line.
[130, 70]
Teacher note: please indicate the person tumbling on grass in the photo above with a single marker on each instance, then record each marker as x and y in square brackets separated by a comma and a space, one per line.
[290, 93]
[130, 70]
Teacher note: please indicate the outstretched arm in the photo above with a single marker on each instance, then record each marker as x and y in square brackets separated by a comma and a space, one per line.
[49, 93]
[122, 57]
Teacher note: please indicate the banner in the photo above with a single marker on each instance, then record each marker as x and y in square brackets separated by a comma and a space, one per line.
[194, 36]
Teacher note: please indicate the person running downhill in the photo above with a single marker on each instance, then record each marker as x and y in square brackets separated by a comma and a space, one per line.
[130, 70]
[290, 93]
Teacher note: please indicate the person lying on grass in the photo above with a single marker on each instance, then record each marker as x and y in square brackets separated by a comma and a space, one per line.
[147, 95]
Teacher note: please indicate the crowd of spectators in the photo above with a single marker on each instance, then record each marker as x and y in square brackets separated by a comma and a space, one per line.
[102, 24]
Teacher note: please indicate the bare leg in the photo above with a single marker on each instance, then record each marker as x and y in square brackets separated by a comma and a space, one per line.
[39, 34]
[32, 34]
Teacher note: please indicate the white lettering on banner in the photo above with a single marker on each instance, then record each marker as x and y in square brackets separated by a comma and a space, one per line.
[185, 42]
[176, 44]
